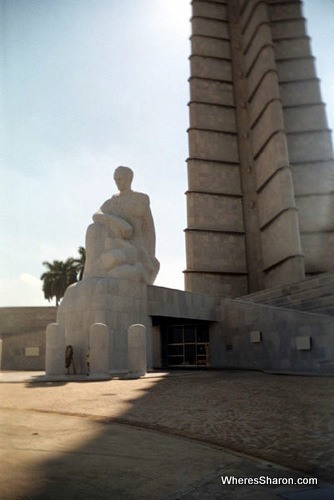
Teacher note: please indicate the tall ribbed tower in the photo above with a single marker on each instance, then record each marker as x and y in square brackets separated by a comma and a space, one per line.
[260, 168]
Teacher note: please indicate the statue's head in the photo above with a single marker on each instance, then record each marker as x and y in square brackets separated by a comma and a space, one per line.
[123, 178]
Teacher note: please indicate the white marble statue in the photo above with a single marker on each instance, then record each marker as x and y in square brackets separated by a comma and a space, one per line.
[121, 241]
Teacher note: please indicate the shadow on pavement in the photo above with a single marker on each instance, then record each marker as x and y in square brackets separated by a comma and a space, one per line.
[98, 442]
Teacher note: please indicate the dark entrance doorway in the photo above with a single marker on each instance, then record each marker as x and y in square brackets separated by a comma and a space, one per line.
[187, 345]
[184, 343]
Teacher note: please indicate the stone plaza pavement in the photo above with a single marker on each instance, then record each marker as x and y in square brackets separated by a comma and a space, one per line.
[166, 436]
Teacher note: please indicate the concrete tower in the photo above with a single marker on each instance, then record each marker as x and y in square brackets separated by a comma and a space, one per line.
[260, 168]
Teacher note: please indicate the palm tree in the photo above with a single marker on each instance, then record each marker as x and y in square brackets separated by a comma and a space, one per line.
[58, 277]
[80, 263]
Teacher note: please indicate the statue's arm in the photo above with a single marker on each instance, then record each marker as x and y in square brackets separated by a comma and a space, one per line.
[114, 224]
[100, 217]
[148, 227]
[102, 214]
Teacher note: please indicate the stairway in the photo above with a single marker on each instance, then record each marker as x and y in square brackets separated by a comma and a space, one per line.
[310, 295]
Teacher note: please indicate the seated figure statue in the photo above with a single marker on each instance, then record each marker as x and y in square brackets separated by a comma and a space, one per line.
[121, 241]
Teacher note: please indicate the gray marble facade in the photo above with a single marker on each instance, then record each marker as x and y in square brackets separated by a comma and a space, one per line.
[260, 167]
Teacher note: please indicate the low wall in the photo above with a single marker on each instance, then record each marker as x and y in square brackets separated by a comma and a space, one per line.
[242, 334]
[262, 337]
[22, 331]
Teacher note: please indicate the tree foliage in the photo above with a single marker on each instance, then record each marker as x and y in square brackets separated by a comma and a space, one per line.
[61, 274]
[80, 262]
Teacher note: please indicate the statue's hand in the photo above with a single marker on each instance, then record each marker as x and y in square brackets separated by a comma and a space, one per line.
[100, 218]
[115, 225]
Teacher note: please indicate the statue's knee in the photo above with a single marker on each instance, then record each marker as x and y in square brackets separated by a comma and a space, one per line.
[92, 230]
[95, 236]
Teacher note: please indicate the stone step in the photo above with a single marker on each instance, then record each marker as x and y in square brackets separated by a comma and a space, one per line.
[302, 295]
[329, 310]
[319, 302]
[291, 289]
[315, 304]
[311, 295]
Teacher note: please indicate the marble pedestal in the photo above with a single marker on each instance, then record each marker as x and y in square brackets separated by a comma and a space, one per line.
[116, 303]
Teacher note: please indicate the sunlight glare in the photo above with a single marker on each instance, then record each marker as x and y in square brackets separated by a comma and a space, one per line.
[173, 15]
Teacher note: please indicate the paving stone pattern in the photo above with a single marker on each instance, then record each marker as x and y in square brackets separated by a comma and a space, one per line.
[284, 419]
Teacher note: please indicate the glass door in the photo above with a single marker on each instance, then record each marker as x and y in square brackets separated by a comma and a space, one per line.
[188, 345]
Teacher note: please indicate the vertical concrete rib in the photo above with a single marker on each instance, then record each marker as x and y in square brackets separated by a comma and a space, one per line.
[254, 257]
[309, 140]
[271, 221]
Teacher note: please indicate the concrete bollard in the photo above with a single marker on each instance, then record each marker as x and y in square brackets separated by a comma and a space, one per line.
[137, 363]
[55, 349]
[99, 341]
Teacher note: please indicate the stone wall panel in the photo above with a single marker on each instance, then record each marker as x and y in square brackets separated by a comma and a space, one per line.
[214, 212]
[210, 10]
[298, 93]
[316, 212]
[209, 27]
[292, 48]
[281, 12]
[218, 285]
[296, 69]
[209, 145]
[202, 90]
[215, 252]
[294, 28]
[313, 178]
[211, 47]
[306, 118]
[209, 67]
[310, 146]
[209, 116]
[22, 327]
[213, 177]
[318, 251]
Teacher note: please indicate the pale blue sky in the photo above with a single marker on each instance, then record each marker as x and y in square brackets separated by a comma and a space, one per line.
[87, 85]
